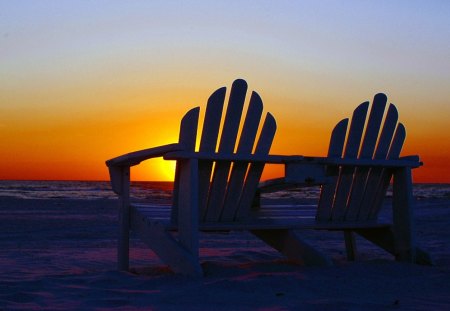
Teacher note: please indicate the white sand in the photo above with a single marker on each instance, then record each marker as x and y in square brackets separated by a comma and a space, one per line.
[60, 255]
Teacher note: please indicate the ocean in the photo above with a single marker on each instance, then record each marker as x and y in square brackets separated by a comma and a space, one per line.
[159, 191]
[58, 246]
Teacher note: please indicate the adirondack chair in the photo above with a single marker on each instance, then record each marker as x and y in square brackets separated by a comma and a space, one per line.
[213, 188]
[216, 187]
[362, 159]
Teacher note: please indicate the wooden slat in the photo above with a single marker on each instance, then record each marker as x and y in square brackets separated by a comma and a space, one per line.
[155, 234]
[351, 151]
[380, 154]
[268, 217]
[402, 204]
[271, 209]
[251, 124]
[226, 145]
[290, 244]
[134, 158]
[208, 143]
[266, 158]
[255, 170]
[387, 134]
[188, 217]
[350, 245]
[211, 124]
[284, 223]
[397, 142]
[367, 151]
[327, 192]
[187, 138]
[124, 220]
[386, 175]
[239, 170]
[409, 161]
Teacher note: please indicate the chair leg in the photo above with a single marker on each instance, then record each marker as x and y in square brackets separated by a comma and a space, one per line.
[124, 219]
[423, 258]
[166, 247]
[350, 245]
[123, 251]
[292, 246]
[402, 204]
[384, 238]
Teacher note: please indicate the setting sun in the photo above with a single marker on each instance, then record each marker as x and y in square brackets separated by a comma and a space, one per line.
[155, 169]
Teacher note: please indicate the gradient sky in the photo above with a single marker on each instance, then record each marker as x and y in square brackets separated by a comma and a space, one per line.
[84, 81]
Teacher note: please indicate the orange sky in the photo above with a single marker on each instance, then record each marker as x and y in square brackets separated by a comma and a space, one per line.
[79, 85]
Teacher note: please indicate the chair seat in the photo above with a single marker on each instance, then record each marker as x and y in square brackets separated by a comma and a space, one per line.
[273, 216]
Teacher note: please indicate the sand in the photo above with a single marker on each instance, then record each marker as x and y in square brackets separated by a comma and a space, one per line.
[60, 255]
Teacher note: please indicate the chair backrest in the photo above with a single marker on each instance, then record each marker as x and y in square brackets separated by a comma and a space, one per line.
[227, 190]
[356, 194]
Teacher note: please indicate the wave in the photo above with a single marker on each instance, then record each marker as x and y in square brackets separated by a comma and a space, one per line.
[161, 191]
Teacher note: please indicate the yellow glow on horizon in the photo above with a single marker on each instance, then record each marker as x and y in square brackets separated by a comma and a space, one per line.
[156, 169]
[43, 147]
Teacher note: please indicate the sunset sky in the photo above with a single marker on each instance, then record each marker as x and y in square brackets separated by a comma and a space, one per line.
[84, 81]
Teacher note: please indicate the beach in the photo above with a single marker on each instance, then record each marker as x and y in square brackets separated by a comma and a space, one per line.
[60, 254]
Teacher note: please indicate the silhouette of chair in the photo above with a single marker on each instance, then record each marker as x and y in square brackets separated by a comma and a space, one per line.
[362, 159]
[215, 188]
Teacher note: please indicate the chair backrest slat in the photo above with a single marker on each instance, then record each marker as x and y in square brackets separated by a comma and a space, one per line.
[386, 175]
[351, 152]
[239, 170]
[227, 144]
[188, 136]
[374, 178]
[367, 152]
[255, 169]
[208, 143]
[328, 190]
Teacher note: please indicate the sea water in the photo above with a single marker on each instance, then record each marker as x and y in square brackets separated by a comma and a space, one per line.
[81, 190]
[89, 190]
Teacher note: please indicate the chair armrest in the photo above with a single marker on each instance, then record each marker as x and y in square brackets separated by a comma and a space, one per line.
[408, 161]
[312, 170]
[309, 171]
[134, 158]
[120, 165]
[232, 157]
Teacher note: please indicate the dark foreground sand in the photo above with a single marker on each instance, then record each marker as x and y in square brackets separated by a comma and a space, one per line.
[60, 255]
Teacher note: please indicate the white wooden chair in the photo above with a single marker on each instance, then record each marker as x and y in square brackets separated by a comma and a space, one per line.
[215, 187]
[354, 177]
